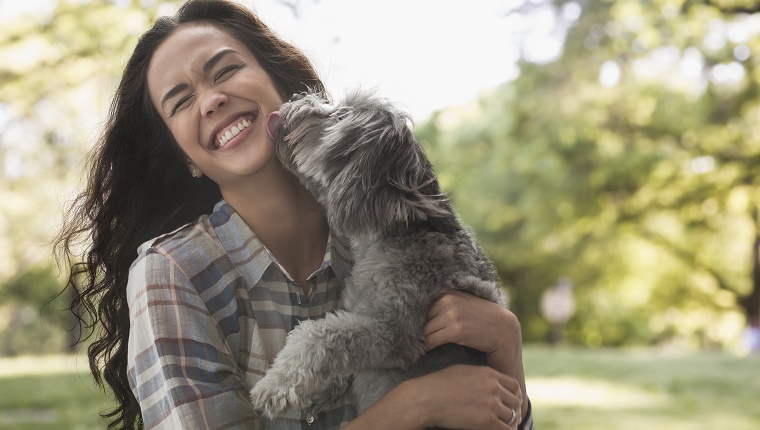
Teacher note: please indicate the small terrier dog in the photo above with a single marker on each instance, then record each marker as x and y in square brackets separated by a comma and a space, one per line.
[362, 162]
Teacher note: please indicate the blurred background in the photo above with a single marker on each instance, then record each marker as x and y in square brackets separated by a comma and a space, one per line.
[606, 154]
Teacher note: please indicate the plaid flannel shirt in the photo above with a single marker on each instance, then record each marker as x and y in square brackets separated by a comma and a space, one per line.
[210, 308]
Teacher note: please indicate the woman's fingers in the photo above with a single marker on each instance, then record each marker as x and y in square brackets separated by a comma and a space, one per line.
[473, 397]
[461, 318]
[511, 414]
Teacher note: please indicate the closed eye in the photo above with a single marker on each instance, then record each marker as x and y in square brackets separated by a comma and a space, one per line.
[181, 103]
[225, 71]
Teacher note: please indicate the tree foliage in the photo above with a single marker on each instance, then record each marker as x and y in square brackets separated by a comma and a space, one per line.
[58, 68]
[628, 164]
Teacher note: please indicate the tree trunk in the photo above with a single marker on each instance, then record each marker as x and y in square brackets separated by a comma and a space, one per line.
[751, 303]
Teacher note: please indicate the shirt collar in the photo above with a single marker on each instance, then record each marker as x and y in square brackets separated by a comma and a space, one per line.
[245, 250]
[243, 246]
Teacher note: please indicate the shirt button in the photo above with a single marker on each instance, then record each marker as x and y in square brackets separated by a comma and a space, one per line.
[309, 419]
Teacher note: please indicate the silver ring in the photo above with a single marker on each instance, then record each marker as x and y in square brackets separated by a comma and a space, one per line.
[514, 417]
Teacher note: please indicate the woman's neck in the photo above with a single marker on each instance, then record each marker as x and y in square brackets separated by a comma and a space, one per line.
[285, 218]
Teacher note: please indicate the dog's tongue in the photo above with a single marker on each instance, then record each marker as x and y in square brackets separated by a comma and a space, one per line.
[273, 124]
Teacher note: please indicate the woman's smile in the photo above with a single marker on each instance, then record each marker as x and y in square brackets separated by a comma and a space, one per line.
[234, 132]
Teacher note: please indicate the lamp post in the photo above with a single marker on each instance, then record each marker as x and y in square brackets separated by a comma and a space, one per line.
[558, 306]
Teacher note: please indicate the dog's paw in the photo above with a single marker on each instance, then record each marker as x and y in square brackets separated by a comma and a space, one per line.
[271, 397]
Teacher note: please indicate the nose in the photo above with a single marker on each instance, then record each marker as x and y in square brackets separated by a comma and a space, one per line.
[213, 102]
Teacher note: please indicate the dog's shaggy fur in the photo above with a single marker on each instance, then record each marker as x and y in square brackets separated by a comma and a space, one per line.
[362, 162]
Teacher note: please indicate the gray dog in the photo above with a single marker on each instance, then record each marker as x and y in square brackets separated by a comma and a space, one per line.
[361, 161]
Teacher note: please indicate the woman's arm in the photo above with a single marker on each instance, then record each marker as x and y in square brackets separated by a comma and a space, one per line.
[467, 320]
[460, 396]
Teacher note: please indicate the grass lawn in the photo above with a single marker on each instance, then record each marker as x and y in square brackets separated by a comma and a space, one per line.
[570, 389]
[646, 389]
[49, 392]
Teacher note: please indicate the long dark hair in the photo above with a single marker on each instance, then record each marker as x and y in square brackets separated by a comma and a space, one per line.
[138, 188]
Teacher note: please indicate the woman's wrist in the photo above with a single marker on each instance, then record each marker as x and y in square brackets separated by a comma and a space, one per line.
[414, 404]
[402, 408]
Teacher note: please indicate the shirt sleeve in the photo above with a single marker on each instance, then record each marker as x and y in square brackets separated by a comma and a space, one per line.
[180, 368]
[527, 422]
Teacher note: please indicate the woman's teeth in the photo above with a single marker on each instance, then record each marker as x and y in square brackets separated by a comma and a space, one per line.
[234, 131]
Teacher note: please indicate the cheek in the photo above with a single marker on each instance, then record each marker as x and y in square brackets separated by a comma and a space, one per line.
[262, 85]
[186, 136]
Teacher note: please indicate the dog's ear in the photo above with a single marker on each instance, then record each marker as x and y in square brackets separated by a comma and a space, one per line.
[418, 194]
[386, 178]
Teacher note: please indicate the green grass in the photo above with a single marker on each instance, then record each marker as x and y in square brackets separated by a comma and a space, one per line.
[52, 392]
[614, 389]
[570, 389]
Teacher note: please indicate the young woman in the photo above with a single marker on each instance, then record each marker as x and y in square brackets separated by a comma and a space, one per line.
[202, 252]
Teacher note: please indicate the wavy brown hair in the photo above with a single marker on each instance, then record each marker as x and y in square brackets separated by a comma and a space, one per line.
[138, 188]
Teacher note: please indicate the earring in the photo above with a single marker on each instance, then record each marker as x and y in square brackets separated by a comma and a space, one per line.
[194, 173]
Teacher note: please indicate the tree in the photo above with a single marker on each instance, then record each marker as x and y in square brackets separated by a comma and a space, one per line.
[57, 72]
[629, 163]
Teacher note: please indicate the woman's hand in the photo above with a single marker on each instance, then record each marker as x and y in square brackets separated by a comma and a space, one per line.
[461, 396]
[457, 397]
[461, 318]
[471, 397]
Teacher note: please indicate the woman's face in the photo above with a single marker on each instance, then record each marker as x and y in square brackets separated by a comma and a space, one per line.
[215, 98]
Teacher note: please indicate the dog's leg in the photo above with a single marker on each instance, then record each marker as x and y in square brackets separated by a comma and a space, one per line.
[318, 351]
[488, 290]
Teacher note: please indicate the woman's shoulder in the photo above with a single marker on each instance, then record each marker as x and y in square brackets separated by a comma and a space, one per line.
[171, 263]
[189, 241]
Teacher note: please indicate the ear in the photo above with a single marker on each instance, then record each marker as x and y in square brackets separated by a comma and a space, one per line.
[195, 172]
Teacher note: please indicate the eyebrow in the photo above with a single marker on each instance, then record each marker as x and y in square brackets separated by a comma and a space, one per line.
[207, 66]
[171, 93]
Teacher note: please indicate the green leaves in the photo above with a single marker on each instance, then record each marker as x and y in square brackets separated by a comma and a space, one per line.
[58, 69]
[629, 165]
